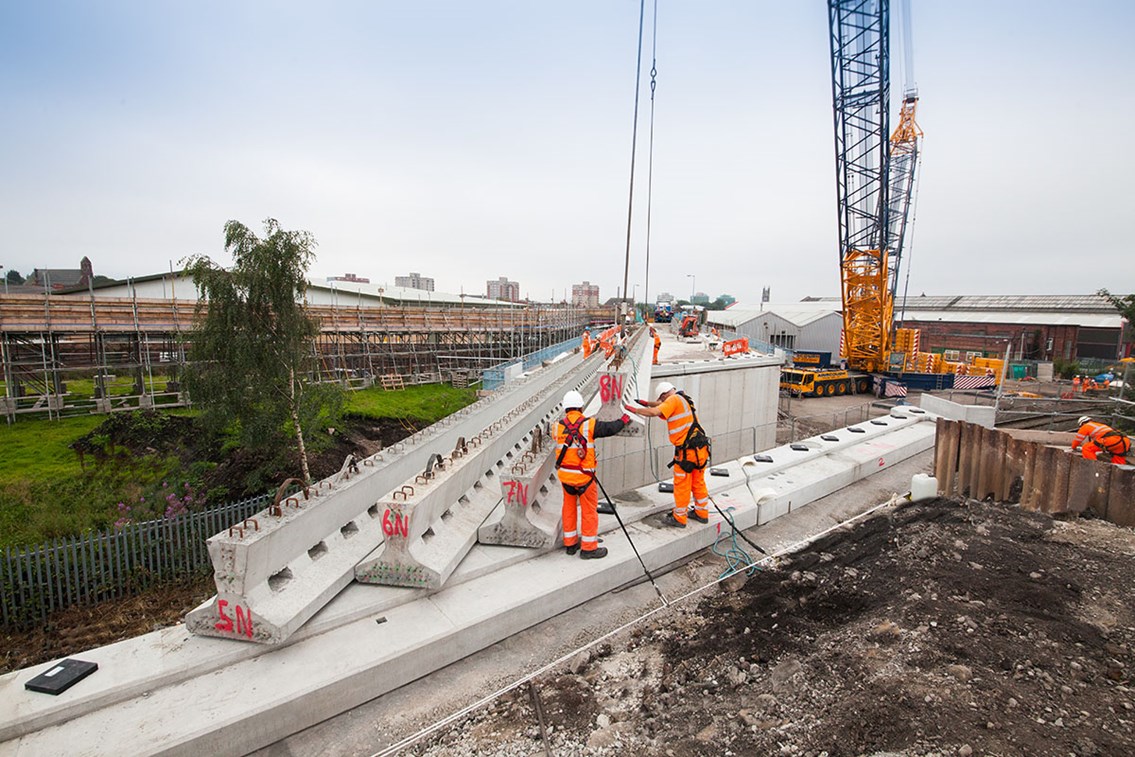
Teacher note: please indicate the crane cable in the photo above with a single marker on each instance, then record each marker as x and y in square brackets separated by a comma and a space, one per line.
[650, 148]
[634, 138]
[910, 231]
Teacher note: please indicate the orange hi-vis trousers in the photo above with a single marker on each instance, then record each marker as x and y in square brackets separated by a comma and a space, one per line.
[588, 534]
[692, 482]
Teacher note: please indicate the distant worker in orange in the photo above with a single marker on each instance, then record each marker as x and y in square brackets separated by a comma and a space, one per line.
[657, 343]
[587, 345]
[1076, 384]
[575, 467]
[691, 451]
[1098, 437]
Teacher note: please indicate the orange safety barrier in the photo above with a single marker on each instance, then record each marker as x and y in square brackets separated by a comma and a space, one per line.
[735, 346]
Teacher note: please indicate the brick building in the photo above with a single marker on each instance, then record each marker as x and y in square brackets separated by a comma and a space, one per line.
[503, 289]
[1035, 327]
[415, 281]
[585, 295]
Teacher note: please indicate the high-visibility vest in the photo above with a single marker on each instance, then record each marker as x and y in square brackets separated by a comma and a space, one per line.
[1104, 437]
[575, 433]
[679, 422]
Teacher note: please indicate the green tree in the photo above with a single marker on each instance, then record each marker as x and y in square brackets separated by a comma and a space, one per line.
[252, 344]
[1125, 304]
[14, 278]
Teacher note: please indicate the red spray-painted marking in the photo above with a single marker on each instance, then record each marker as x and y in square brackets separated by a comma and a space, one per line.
[516, 493]
[611, 386]
[243, 619]
[398, 525]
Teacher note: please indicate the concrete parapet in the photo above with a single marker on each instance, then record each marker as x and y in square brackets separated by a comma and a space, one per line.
[983, 415]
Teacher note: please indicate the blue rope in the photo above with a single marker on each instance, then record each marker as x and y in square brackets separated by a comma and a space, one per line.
[735, 556]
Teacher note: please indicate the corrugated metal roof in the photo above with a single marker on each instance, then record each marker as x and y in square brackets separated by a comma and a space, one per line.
[796, 313]
[1076, 318]
[1003, 302]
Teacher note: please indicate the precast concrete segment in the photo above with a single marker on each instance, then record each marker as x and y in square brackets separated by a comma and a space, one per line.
[276, 571]
[624, 378]
[530, 514]
[251, 696]
[434, 526]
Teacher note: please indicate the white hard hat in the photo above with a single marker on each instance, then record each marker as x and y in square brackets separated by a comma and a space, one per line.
[573, 399]
[662, 388]
[1083, 419]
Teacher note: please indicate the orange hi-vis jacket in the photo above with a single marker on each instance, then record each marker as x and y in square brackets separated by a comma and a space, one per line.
[1103, 436]
[679, 418]
[577, 466]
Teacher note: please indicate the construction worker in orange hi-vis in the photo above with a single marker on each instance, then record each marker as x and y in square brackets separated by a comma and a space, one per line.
[1076, 384]
[1099, 437]
[575, 467]
[657, 344]
[587, 346]
[691, 451]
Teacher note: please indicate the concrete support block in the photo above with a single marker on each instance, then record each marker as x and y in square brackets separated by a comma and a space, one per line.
[530, 515]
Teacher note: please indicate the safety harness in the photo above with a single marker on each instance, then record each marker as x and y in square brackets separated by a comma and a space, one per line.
[574, 436]
[1118, 444]
[696, 438]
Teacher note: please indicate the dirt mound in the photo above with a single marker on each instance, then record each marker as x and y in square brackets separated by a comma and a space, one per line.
[935, 628]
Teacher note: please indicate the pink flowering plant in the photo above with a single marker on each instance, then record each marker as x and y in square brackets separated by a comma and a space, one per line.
[168, 502]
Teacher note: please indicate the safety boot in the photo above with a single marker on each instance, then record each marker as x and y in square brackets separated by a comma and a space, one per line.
[699, 518]
[593, 554]
[572, 549]
[673, 522]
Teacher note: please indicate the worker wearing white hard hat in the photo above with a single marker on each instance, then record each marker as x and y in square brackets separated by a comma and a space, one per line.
[575, 467]
[691, 451]
[1099, 438]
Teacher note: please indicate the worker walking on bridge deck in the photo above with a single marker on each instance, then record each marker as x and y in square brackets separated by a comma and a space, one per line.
[691, 451]
[587, 346]
[657, 343]
[575, 467]
[1098, 437]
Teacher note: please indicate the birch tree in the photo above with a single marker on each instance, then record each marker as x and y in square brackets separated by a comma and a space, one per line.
[252, 347]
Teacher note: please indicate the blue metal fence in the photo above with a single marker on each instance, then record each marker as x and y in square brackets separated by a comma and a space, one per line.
[492, 378]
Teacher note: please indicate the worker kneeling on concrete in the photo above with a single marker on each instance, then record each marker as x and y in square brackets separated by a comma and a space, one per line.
[575, 466]
[1099, 437]
[691, 451]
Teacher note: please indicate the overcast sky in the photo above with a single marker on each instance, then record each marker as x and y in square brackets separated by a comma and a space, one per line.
[484, 138]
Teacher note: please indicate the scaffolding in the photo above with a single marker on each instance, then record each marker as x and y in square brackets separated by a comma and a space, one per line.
[70, 354]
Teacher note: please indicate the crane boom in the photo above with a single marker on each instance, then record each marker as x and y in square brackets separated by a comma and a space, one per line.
[860, 46]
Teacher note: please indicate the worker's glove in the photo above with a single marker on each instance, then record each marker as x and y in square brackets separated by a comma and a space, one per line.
[625, 419]
[642, 402]
[628, 407]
